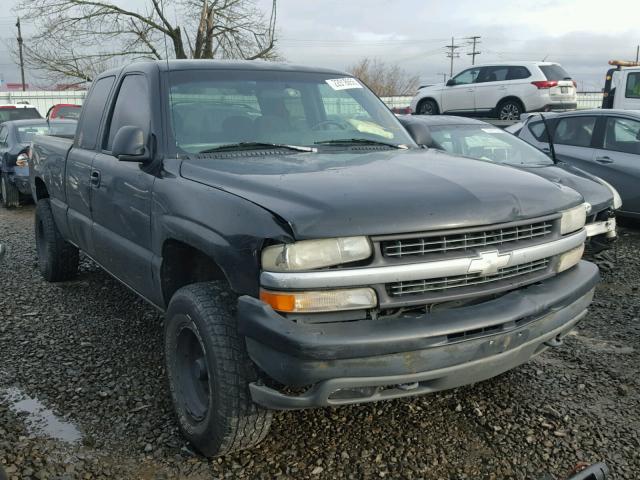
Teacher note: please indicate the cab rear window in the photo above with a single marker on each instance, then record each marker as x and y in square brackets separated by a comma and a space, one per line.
[555, 72]
[7, 114]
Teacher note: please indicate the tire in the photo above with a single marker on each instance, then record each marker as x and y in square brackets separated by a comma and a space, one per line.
[209, 371]
[10, 193]
[57, 259]
[509, 110]
[427, 107]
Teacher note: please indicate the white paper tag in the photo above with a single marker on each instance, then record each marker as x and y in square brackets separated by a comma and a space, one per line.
[493, 130]
[346, 83]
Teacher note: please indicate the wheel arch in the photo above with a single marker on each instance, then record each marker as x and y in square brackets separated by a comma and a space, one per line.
[511, 97]
[185, 264]
[40, 190]
[428, 97]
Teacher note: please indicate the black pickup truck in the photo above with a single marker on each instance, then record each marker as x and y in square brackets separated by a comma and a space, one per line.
[305, 250]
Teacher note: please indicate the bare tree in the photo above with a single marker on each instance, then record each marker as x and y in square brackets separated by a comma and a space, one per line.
[75, 39]
[384, 79]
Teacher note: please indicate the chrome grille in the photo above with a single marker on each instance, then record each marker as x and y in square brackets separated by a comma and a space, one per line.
[465, 241]
[447, 283]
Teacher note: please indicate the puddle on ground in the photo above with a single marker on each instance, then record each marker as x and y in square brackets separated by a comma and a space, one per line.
[40, 420]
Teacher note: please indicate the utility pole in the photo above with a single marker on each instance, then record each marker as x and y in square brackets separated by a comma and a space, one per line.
[474, 40]
[20, 50]
[452, 54]
[638, 54]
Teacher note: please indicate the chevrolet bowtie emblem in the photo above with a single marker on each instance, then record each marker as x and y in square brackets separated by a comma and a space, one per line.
[489, 262]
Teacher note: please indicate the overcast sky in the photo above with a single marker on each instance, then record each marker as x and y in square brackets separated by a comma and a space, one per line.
[582, 35]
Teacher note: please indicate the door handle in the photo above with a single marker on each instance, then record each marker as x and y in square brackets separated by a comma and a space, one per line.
[604, 159]
[470, 89]
[95, 178]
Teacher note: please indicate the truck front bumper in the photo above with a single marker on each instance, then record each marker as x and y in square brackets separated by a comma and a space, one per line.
[362, 361]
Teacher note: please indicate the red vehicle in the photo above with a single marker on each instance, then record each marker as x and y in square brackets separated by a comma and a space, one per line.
[64, 110]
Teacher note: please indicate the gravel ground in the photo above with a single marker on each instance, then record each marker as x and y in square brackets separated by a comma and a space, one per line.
[86, 358]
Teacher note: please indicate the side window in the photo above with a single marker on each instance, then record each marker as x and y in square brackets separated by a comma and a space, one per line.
[576, 131]
[538, 131]
[467, 77]
[493, 74]
[518, 73]
[633, 85]
[131, 107]
[4, 133]
[622, 135]
[93, 110]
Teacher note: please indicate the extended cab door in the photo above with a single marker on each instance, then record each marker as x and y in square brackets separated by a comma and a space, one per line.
[459, 97]
[78, 166]
[121, 195]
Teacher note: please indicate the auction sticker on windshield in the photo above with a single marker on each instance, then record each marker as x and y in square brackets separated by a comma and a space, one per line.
[343, 83]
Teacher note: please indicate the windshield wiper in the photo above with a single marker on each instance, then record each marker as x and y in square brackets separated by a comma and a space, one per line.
[350, 141]
[257, 146]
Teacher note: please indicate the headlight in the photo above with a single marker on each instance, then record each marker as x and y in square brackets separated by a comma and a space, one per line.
[320, 301]
[573, 219]
[570, 258]
[617, 200]
[310, 254]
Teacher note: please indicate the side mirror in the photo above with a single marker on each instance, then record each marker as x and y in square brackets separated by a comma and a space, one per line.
[418, 131]
[451, 82]
[129, 145]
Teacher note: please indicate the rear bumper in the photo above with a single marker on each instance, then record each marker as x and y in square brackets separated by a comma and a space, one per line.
[362, 361]
[550, 107]
[20, 178]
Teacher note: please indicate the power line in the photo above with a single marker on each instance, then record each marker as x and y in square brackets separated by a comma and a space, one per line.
[452, 53]
[474, 40]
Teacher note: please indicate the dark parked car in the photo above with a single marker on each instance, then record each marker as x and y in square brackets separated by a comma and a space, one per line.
[15, 138]
[305, 250]
[605, 143]
[477, 139]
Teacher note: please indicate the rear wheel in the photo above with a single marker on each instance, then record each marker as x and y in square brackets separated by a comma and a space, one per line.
[57, 259]
[427, 107]
[10, 193]
[209, 371]
[510, 110]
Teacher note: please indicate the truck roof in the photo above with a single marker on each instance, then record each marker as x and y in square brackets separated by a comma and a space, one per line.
[175, 65]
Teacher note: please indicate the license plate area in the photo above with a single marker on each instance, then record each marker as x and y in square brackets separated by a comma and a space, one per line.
[564, 89]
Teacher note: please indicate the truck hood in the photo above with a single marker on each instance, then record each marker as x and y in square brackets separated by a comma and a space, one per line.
[587, 185]
[384, 192]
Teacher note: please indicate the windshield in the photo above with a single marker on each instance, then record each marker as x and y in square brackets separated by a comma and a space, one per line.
[211, 108]
[69, 112]
[487, 143]
[25, 133]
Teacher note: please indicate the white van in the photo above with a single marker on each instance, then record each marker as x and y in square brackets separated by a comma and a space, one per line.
[501, 90]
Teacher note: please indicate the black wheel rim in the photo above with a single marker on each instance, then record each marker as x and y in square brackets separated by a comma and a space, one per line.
[192, 373]
[426, 108]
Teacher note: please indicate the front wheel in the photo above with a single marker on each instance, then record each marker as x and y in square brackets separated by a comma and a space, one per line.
[10, 193]
[427, 107]
[510, 110]
[209, 371]
[57, 259]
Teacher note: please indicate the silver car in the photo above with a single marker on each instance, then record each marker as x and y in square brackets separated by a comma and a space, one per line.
[605, 143]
